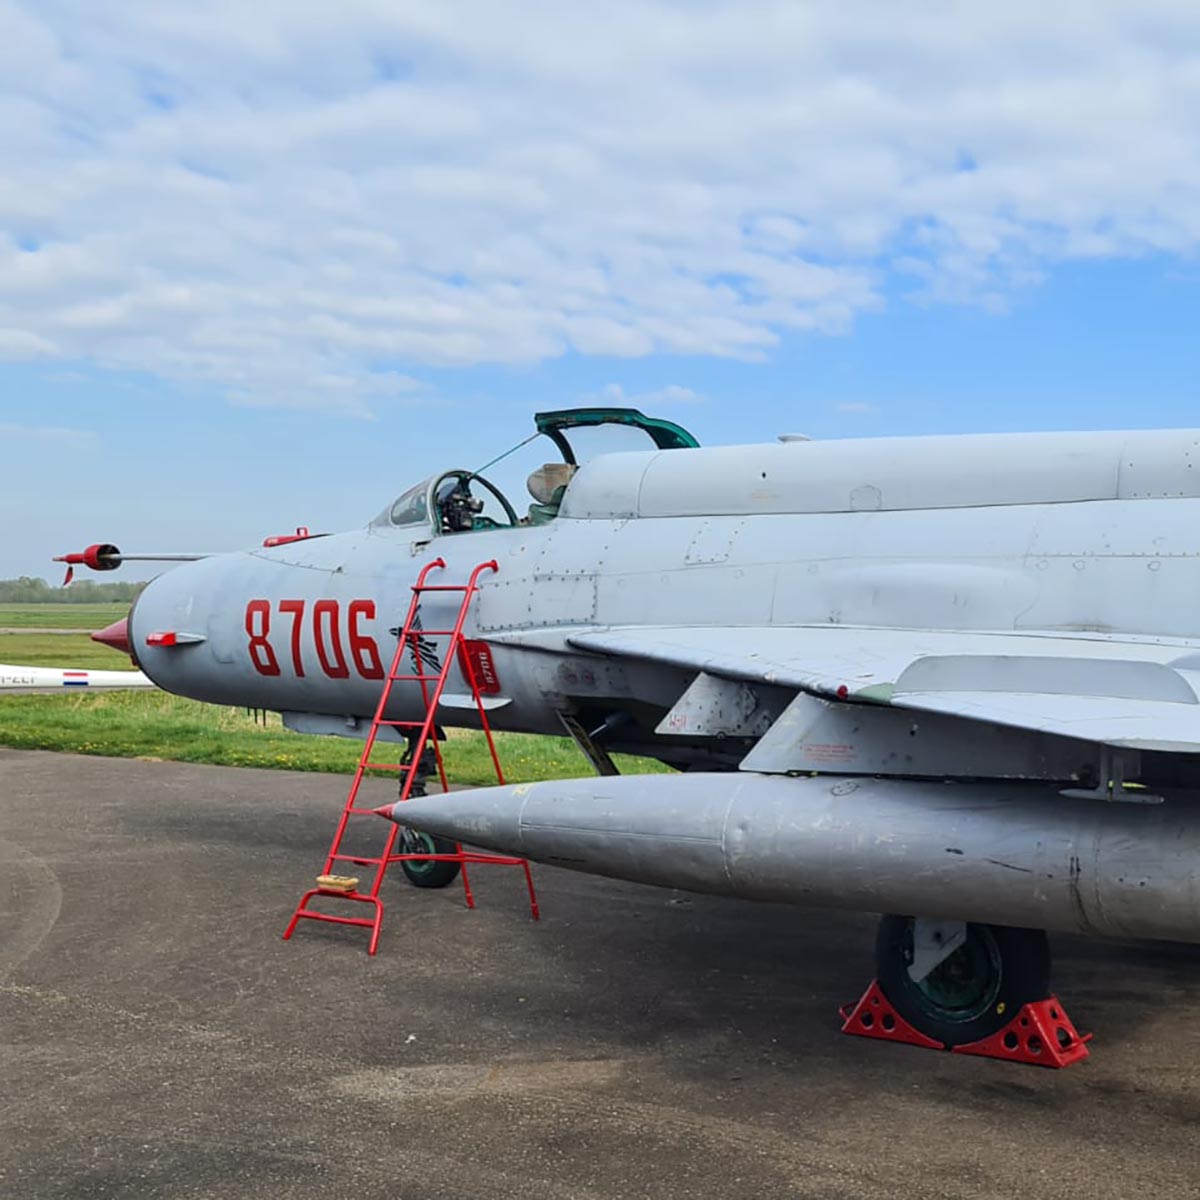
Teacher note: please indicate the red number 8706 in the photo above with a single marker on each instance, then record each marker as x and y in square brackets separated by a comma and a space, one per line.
[326, 638]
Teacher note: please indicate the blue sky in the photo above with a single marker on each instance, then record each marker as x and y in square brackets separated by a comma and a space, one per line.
[263, 267]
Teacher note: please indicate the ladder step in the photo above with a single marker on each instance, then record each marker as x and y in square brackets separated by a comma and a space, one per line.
[406, 678]
[359, 860]
[316, 916]
[402, 724]
[374, 766]
[442, 587]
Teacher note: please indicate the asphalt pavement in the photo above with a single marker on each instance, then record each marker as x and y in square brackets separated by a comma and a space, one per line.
[159, 1039]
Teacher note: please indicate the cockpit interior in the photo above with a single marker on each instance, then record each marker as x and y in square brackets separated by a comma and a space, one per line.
[463, 501]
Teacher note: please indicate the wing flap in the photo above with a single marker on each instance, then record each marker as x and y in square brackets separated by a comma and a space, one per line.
[1112, 721]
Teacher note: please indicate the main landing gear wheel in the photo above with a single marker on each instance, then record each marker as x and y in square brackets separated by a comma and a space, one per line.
[974, 990]
[426, 873]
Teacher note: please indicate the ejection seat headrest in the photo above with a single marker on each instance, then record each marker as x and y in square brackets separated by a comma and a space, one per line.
[547, 480]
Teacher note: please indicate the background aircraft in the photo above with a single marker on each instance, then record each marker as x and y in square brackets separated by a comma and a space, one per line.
[948, 679]
[18, 678]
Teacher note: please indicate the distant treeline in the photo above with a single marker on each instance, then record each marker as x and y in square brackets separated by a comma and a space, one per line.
[28, 590]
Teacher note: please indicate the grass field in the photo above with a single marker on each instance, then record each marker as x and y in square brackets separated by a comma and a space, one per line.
[60, 616]
[75, 650]
[155, 725]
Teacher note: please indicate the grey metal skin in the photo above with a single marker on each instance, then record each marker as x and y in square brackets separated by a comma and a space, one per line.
[1008, 854]
[984, 608]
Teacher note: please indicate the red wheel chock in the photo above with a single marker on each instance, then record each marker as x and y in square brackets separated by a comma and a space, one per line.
[874, 1017]
[1040, 1034]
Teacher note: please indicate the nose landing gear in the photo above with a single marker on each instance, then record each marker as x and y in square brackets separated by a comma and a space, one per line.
[425, 872]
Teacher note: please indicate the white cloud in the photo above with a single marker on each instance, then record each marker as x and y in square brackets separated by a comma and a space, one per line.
[615, 394]
[11, 433]
[294, 200]
[20, 344]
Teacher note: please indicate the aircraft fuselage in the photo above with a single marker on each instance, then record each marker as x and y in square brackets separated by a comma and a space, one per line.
[1088, 535]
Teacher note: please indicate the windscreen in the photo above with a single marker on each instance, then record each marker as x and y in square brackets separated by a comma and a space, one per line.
[412, 508]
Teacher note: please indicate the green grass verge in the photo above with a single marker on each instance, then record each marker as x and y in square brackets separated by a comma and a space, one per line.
[61, 616]
[158, 726]
[76, 651]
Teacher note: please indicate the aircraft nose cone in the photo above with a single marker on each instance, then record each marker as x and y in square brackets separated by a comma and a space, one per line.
[115, 635]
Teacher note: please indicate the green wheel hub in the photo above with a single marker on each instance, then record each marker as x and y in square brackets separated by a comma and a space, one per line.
[965, 985]
[974, 991]
[428, 873]
[414, 842]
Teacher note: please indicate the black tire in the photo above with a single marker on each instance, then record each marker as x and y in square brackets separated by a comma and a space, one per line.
[427, 874]
[973, 993]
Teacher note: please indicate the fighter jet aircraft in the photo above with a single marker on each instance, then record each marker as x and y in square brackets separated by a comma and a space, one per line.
[952, 680]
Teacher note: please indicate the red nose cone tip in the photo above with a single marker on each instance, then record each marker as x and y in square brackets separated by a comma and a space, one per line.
[115, 635]
[385, 811]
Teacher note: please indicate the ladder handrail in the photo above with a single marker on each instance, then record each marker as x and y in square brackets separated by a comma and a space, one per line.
[431, 702]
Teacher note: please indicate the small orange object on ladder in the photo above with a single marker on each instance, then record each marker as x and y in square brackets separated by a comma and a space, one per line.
[421, 733]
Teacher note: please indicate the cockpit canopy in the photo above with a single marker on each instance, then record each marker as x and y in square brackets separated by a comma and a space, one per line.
[462, 501]
[449, 503]
[666, 435]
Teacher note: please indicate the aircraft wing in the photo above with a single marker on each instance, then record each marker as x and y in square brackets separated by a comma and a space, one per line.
[1136, 694]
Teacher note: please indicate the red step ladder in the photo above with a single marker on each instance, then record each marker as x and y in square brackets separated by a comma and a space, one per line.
[414, 643]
